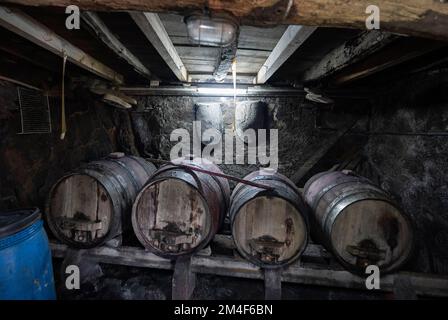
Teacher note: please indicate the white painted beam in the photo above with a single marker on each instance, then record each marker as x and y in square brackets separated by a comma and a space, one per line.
[151, 25]
[110, 40]
[290, 41]
[25, 26]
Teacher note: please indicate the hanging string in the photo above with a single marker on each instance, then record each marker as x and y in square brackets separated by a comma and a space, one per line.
[63, 122]
[234, 91]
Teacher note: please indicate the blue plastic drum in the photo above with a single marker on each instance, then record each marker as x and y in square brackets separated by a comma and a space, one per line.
[26, 272]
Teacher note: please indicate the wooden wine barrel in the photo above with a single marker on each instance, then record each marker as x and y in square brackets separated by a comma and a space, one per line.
[269, 227]
[92, 204]
[358, 221]
[179, 211]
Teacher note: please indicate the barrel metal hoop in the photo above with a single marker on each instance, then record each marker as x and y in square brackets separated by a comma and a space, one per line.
[220, 186]
[131, 174]
[246, 195]
[112, 175]
[143, 238]
[175, 171]
[323, 191]
[344, 200]
[145, 165]
[272, 177]
[163, 169]
[115, 225]
[114, 195]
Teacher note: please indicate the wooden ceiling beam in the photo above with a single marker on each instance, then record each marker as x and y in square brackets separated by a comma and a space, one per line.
[25, 26]
[348, 53]
[291, 40]
[152, 27]
[103, 33]
[425, 18]
[400, 52]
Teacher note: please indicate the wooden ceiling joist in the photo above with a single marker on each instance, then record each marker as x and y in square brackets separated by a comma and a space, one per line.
[152, 27]
[25, 26]
[110, 40]
[425, 18]
[400, 52]
[348, 53]
[290, 41]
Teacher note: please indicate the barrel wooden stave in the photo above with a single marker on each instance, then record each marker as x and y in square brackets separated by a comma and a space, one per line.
[269, 228]
[179, 211]
[91, 205]
[358, 222]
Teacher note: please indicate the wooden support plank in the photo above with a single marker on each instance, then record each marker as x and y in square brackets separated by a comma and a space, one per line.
[20, 83]
[272, 284]
[89, 267]
[109, 39]
[152, 27]
[309, 164]
[423, 284]
[403, 289]
[184, 280]
[348, 53]
[25, 26]
[290, 41]
[425, 18]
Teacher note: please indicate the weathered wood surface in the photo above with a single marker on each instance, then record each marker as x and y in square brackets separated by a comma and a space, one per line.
[272, 284]
[290, 41]
[348, 53]
[403, 289]
[399, 52]
[91, 204]
[427, 18]
[358, 221]
[187, 224]
[25, 26]
[367, 54]
[171, 223]
[270, 230]
[311, 250]
[423, 284]
[184, 280]
[103, 33]
[306, 169]
[152, 27]
[82, 201]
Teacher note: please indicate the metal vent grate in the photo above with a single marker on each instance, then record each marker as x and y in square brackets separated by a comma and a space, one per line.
[34, 111]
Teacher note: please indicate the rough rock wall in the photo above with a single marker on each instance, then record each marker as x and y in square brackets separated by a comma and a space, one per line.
[31, 163]
[408, 149]
[298, 137]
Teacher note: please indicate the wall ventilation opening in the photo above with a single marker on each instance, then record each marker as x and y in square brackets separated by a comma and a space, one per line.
[34, 111]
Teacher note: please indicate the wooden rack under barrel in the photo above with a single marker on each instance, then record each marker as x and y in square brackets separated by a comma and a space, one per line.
[316, 267]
